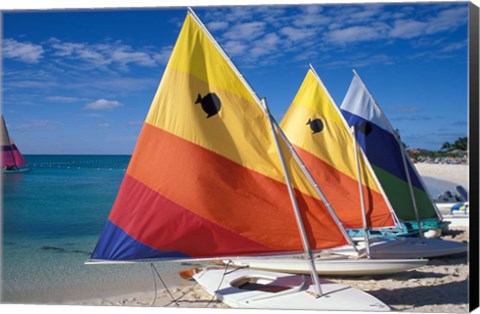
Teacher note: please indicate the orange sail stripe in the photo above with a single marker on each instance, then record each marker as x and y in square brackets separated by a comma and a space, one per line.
[346, 201]
[227, 193]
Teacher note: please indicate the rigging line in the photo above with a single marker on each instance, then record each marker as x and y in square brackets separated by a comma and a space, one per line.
[192, 289]
[221, 281]
[154, 283]
[164, 284]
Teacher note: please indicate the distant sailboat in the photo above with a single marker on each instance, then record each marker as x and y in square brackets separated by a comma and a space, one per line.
[402, 184]
[211, 177]
[12, 160]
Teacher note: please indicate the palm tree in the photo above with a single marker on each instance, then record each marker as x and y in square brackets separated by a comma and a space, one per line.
[446, 146]
[461, 143]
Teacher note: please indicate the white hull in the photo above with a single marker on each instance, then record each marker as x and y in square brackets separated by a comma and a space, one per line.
[20, 170]
[247, 288]
[457, 220]
[334, 266]
[400, 248]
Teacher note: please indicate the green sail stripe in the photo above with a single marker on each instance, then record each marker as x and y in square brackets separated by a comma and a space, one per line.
[398, 194]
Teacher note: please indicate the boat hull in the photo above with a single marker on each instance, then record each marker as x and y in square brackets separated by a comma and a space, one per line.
[406, 248]
[15, 171]
[338, 266]
[247, 288]
[458, 219]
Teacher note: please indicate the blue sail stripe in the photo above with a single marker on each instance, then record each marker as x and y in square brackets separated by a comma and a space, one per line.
[382, 149]
[116, 244]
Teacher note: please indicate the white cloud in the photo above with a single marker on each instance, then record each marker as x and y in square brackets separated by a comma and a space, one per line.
[240, 13]
[163, 56]
[124, 57]
[103, 104]
[408, 28]
[271, 40]
[217, 25]
[110, 54]
[354, 34]
[235, 47]
[62, 99]
[245, 31]
[448, 19]
[454, 46]
[366, 13]
[297, 34]
[22, 51]
[311, 15]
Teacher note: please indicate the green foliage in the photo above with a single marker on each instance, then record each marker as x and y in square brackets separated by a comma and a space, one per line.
[457, 149]
[460, 144]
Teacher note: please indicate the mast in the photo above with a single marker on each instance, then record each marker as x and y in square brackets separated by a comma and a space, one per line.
[315, 186]
[410, 187]
[362, 197]
[301, 228]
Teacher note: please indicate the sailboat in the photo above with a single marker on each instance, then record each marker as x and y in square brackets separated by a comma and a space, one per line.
[210, 178]
[12, 160]
[399, 178]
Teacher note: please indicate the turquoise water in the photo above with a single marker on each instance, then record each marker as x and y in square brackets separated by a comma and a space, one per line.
[52, 218]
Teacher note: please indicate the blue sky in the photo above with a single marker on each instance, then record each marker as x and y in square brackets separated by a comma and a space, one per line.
[81, 82]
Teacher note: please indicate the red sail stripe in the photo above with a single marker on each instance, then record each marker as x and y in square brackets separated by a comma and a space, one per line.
[147, 216]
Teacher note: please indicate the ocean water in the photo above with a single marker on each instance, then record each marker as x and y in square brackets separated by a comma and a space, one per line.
[52, 218]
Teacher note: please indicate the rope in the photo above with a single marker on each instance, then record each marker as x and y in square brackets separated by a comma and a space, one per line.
[154, 271]
[164, 285]
[180, 297]
[226, 272]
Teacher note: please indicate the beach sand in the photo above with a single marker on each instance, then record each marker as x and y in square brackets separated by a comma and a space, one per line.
[441, 286]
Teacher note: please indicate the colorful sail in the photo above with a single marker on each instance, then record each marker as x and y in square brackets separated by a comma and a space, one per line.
[205, 178]
[382, 148]
[316, 128]
[11, 156]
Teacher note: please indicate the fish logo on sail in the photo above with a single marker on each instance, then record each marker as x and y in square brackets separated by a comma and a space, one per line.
[316, 125]
[365, 128]
[210, 104]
